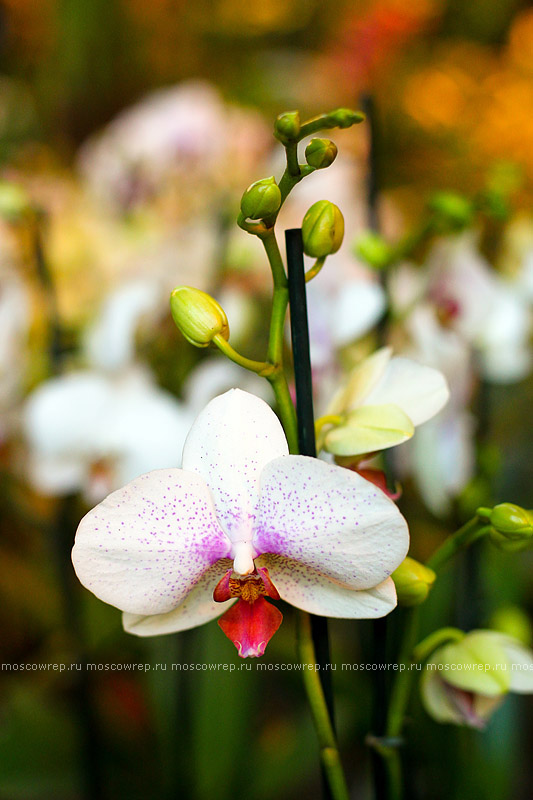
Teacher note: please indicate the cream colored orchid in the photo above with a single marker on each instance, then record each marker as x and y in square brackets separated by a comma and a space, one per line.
[241, 521]
[464, 682]
[381, 403]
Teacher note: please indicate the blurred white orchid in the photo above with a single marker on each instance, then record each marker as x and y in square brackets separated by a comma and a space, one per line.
[491, 313]
[184, 133]
[91, 430]
[441, 457]
[242, 520]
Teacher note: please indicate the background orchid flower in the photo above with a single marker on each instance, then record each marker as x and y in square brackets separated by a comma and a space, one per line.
[168, 136]
[491, 313]
[464, 682]
[240, 521]
[441, 457]
[93, 430]
[382, 401]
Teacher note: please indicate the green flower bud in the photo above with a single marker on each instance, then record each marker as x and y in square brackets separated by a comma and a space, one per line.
[322, 229]
[512, 522]
[345, 117]
[320, 153]
[373, 250]
[287, 126]
[455, 210]
[413, 581]
[261, 199]
[198, 316]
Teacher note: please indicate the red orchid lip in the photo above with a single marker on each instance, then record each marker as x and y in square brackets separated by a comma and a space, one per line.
[252, 621]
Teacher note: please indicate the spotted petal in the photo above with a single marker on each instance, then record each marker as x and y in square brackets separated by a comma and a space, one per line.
[147, 545]
[307, 589]
[197, 608]
[330, 519]
[229, 444]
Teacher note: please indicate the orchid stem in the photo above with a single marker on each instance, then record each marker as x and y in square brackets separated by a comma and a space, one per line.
[329, 752]
[460, 540]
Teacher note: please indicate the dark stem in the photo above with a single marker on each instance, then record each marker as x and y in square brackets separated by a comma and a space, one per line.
[306, 424]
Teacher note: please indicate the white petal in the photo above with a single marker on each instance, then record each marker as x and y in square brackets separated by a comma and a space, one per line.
[197, 608]
[229, 444]
[62, 414]
[57, 475]
[144, 429]
[146, 545]
[435, 697]
[521, 661]
[330, 519]
[419, 391]
[360, 383]
[110, 341]
[359, 306]
[307, 589]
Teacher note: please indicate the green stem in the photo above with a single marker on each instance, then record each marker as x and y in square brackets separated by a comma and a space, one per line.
[329, 751]
[260, 367]
[286, 409]
[315, 269]
[387, 747]
[464, 537]
[424, 648]
[291, 151]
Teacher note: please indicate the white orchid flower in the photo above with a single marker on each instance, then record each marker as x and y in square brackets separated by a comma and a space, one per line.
[170, 134]
[240, 521]
[491, 313]
[441, 457]
[464, 682]
[382, 402]
[93, 432]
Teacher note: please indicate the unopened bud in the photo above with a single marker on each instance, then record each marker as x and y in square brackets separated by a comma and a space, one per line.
[320, 153]
[513, 522]
[413, 581]
[198, 316]
[373, 250]
[261, 199]
[287, 126]
[322, 229]
[456, 210]
[345, 117]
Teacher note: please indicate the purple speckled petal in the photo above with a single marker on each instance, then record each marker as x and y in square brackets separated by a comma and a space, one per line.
[307, 589]
[330, 519]
[146, 545]
[197, 608]
[229, 444]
